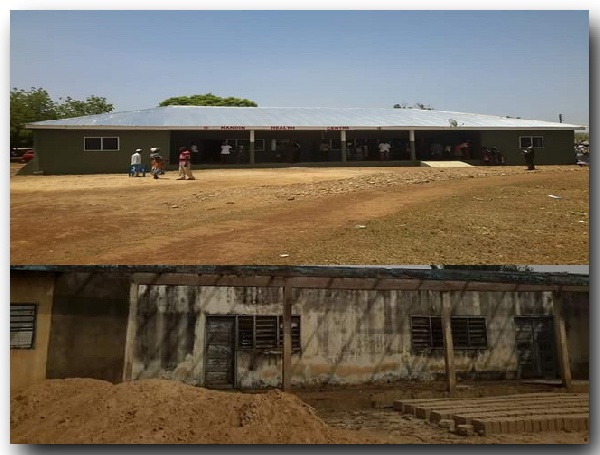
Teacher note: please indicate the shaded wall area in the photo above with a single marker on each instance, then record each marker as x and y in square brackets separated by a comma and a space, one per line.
[28, 366]
[89, 322]
[576, 312]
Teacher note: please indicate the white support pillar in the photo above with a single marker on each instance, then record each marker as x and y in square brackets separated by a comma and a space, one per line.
[343, 147]
[252, 159]
[411, 138]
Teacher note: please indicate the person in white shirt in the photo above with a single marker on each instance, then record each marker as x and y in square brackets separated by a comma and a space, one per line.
[225, 152]
[136, 162]
[384, 150]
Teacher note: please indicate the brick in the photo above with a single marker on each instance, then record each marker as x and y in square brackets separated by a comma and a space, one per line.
[519, 426]
[528, 426]
[447, 423]
[464, 430]
[436, 416]
[397, 406]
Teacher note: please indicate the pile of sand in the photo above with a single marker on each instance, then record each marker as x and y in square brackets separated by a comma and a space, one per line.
[75, 411]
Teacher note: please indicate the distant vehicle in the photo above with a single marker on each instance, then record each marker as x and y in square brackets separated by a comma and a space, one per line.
[27, 156]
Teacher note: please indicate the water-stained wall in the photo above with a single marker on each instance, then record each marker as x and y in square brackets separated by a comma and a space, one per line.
[347, 336]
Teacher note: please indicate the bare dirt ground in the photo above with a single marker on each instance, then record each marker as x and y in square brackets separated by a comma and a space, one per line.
[168, 412]
[495, 215]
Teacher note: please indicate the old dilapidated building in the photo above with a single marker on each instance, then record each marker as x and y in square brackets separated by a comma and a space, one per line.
[253, 327]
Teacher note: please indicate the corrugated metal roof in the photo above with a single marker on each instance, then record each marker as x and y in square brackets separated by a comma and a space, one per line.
[204, 117]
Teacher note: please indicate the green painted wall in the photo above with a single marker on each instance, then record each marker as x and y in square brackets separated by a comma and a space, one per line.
[61, 151]
[558, 146]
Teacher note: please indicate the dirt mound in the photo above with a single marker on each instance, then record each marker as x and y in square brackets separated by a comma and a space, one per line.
[75, 411]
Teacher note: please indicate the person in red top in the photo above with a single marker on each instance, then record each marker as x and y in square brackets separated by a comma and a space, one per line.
[185, 164]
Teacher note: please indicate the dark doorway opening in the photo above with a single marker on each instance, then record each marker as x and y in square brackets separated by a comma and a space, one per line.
[536, 353]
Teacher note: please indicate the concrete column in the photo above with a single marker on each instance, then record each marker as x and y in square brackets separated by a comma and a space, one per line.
[562, 347]
[411, 138]
[448, 343]
[287, 338]
[344, 147]
[130, 336]
[252, 158]
[182, 309]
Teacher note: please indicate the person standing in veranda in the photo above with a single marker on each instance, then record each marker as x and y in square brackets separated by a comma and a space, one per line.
[384, 150]
[185, 164]
[225, 153]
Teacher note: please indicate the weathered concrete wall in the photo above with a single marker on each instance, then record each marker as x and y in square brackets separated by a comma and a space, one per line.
[347, 336]
[371, 340]
[28, 366]
[191, 303]
[89, 320]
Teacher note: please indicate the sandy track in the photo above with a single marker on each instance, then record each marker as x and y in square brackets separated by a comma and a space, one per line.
[254, 216]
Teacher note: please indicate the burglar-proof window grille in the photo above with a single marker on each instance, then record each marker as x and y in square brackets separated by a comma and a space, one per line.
[22, 326]
[99, 144]
[468, 332]
[262, 332]
[528, 141]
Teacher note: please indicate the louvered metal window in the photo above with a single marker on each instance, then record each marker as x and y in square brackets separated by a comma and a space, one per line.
[266, 332]
[22, 326]
[468, 332]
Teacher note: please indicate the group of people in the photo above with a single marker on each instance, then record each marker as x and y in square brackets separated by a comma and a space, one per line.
[156, 160]
[491, 156]
[582, 155]
[158, 163]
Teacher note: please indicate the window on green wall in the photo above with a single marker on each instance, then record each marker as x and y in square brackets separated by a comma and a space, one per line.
[528, 141]
[98, 144]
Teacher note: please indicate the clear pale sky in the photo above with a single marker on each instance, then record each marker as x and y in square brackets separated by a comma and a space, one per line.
[531, 64]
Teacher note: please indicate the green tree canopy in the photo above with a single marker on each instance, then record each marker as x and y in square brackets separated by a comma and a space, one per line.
[69, 107]
[25, 107]
[207, 99]
[35, 105]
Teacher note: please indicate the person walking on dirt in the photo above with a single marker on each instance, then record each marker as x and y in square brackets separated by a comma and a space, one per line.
[136, 162]
[157, 162]
[529, 154]
[185, 164]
